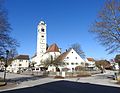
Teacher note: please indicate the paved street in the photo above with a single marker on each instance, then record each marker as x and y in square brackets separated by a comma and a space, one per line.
[67, 87]
[96, 84]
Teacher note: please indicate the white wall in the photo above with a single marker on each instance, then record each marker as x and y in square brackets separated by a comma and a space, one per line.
[17, 64]
[90, 63]
[72, 60]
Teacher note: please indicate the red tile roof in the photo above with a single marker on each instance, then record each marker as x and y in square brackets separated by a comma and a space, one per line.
[90, 59]
[53, 48]
[62, 56]
[26, 57]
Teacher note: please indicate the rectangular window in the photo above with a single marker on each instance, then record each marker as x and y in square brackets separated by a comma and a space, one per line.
[72, 63]
[37, 68]
[33, 68]
[50, 65]
[67, 63]
[76, 63]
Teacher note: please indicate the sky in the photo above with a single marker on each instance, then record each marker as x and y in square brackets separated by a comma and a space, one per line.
[68, 22]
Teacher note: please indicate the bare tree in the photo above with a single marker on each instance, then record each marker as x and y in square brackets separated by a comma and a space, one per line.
[107, 26]
[78, 49]
[102, 64]
[6, 41]
[52, 61]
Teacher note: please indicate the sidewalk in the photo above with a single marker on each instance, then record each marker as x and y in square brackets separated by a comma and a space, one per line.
[99, 79]
[31, 83]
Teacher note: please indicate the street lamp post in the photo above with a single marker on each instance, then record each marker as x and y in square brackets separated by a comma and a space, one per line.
[6, 60]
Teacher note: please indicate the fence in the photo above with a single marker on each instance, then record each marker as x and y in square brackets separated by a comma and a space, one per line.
[74, 74]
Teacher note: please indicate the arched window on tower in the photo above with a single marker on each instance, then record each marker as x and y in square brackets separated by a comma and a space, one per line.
[42, 36]
[42, 30]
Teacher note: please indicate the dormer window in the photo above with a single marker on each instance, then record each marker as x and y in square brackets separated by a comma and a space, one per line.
[42, 30]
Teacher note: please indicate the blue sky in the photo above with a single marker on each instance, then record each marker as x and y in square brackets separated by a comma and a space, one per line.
[68, 22]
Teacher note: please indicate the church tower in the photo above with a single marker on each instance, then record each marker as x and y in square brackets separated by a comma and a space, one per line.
[41, 40]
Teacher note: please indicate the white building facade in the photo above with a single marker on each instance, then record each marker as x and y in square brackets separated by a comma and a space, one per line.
[19, 63]
[71, 60]
[90, 63]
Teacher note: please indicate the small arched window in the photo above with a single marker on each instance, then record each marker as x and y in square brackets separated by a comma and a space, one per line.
[43, 30]
[42, 36]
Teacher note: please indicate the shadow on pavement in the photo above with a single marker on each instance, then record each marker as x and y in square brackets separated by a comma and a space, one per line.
[67, 87]
[22, 79]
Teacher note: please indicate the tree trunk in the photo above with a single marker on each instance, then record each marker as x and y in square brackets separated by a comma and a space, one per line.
[119, 66]
[5, 76]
